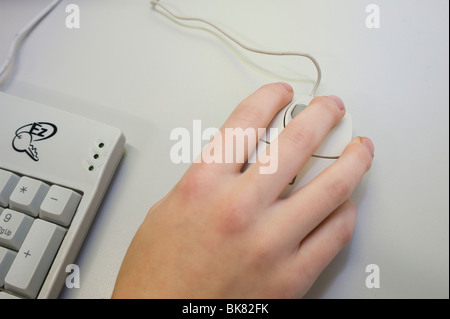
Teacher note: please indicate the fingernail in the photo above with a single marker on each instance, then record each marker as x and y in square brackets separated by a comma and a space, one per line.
[287, 86]
[368, 144]
[338, 101]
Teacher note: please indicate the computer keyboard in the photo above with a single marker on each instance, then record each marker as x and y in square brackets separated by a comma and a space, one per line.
[55, 168]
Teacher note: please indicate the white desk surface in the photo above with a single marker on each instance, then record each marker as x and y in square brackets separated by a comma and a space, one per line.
[136, 69]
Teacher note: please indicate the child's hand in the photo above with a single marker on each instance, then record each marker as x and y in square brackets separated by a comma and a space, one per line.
[221, 233]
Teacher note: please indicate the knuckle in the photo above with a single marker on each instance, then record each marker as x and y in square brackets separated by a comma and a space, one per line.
[299, 278]
[233, 217]
[247, 113]
[343, 234]
[329, 106]
[339, 189]
[344, 228]
[193, 185]
[350, 207]
[304, 135]
[262, 249]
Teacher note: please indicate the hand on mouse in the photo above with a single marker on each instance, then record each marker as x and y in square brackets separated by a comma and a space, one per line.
[224, 233]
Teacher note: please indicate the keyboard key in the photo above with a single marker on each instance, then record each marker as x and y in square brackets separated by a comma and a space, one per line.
[59, 205]
[5, 295]
[28, 271]
[14, 227]
[8, 182]
[6, 258]
[28, 196]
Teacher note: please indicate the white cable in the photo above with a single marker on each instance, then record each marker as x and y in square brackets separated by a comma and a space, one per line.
[306, 55]
[22, 34]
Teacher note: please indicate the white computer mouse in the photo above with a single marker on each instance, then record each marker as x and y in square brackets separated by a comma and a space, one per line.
[326, 154]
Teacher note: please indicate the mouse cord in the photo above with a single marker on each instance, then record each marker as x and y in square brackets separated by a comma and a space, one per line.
[22, 34]
[306, 55]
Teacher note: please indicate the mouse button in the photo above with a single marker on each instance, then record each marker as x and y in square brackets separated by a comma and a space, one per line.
[297, 109]
[337, 139]
[274, 129]
[297, 105]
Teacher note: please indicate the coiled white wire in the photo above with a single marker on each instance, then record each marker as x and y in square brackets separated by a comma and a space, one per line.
[302, 54]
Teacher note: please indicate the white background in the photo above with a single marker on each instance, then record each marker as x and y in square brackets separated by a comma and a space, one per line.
[136, 69]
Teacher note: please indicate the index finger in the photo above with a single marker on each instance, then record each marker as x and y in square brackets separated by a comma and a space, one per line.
[238, 136]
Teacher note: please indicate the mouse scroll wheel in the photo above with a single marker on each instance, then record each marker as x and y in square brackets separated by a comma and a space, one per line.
[297, 109]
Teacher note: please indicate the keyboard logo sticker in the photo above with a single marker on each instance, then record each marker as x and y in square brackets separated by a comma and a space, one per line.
[27, 135]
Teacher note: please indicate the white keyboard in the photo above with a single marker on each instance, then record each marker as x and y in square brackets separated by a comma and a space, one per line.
[54, 170]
